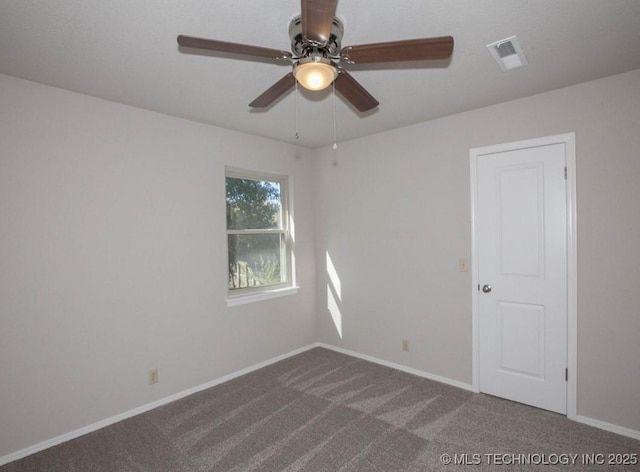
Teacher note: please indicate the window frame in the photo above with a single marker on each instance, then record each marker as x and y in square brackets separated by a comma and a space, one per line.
[250, 294]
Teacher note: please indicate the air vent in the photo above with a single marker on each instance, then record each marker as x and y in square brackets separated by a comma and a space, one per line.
[508, 53]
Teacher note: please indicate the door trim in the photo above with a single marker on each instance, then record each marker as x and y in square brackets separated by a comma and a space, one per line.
[568, 139]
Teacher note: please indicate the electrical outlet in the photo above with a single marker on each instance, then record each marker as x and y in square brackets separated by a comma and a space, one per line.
[153, 376]
[405, 345]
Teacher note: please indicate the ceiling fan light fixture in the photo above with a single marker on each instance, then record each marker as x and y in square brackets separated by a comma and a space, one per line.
[316, 50]
[315, 72]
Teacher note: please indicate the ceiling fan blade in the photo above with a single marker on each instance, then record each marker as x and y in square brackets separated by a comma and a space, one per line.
[274, 92]
[234, 48]
[398, 51]
[355, 93]
[317, 17]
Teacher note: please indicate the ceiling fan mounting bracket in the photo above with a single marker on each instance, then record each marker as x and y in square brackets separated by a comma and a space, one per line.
[302, 47]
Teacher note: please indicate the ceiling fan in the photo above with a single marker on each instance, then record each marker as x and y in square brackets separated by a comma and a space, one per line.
[317, 55]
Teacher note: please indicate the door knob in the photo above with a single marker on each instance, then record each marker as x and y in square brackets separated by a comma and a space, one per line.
[486, 288]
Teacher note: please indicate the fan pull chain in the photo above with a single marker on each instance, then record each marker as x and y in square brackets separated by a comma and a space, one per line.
[335, 139]
[296, 111]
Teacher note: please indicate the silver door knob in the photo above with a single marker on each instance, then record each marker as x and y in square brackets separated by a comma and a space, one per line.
[486, 288]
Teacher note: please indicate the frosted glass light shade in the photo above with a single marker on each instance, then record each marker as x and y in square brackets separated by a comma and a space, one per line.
[315, 75]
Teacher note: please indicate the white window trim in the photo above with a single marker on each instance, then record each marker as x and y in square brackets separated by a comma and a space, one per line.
[256, 294]
[260, 296]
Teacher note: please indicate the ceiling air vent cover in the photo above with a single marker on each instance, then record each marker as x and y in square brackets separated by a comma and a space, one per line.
[508, 53]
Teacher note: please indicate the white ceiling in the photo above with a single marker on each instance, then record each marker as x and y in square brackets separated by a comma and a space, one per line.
[126, 51]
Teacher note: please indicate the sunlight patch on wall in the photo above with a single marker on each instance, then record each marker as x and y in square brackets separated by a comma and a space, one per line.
[333, 308]
[333, 277]
[334, 287]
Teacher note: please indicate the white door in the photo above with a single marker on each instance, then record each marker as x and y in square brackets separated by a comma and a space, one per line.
[521, 243]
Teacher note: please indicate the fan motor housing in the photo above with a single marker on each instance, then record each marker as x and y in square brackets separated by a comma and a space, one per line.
[301, 46]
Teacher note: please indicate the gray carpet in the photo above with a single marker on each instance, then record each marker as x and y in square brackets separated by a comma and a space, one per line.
[322, 411]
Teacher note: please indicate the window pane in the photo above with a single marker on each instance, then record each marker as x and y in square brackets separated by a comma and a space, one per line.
[255, 260]
[253, 204]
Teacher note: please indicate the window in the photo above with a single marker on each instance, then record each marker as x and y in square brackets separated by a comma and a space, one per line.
[258, 240]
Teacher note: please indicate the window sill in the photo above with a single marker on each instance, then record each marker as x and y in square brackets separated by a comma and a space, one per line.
[258, 297]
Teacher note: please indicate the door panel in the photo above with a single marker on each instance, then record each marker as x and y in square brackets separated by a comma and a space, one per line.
[520, 229]
[521, 242]
[521, 325]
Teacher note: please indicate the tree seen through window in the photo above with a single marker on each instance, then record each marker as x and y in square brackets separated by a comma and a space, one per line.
[257, 238]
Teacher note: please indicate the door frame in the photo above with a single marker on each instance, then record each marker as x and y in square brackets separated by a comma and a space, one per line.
[568, 139]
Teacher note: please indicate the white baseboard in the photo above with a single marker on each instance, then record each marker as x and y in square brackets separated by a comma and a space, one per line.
[14, 456]
[393, 365]
[612, 428]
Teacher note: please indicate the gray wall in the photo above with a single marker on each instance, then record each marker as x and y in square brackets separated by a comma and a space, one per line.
[113, 260]
[113, 254]
[393, 212]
